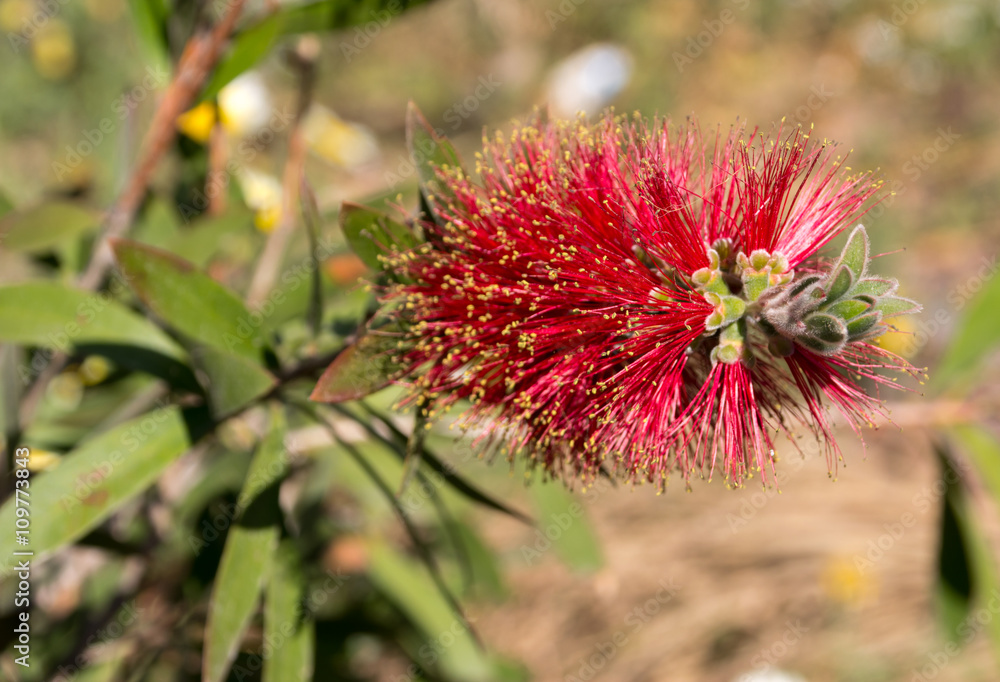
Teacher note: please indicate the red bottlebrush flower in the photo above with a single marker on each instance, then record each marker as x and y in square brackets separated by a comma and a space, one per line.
[632, 294]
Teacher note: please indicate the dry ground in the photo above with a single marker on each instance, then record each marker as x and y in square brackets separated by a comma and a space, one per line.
[759, 577]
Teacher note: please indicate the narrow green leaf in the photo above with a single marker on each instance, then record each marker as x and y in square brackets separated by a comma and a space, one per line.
[487, 574]
[372, 233]
[407, 584]
[175, 372]
[287, 626]
[976, 336]
[189, 300]
[563, 525]
[310, 214]
[967, 572]
[46, 226]
[94, 480]
[231, 380]
[247, 556]
[149, 17]
[446, 471]
[255, 42]
[429, 152]
[6, 205]
[362, 368]
[52, 315]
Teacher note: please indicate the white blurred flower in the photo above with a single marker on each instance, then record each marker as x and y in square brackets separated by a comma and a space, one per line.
[589, 79]
[263, 194]
[340, 142]
[245, 105]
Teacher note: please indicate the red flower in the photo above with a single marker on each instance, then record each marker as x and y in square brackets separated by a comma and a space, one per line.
[631, 294]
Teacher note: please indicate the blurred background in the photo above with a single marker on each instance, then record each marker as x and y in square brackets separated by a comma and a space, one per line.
[820, 580]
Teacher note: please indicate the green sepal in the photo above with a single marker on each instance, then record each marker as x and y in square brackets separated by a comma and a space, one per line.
[840, 284]
[892, 306]
[855, 254]
[865, 326]
[826, 328]
[874, 286]
[755, 283]
[848, 309]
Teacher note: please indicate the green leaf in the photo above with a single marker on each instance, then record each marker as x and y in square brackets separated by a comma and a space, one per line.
[487, 574]
[46, 226]
[372, 233]
[362, 368]
[232, 380]
[150, 17]
[976, 337]
[967, 572]
[954, 571]
[408, 585]
[248, 48]
[855, 253]
[563, 525]
[429, 152]
[53, 315]
[446, 471]
[287, 625]
[6, 205]
[189, 300]
[247, 556]
[94, 480]
[176, 373]
[254, 42]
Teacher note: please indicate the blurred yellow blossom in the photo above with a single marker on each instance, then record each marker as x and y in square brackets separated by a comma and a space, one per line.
[53, 50]
[340, 142]
[197, 123]
[263, 194]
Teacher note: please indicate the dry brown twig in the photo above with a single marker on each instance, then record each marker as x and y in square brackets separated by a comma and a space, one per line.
[303, 58]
